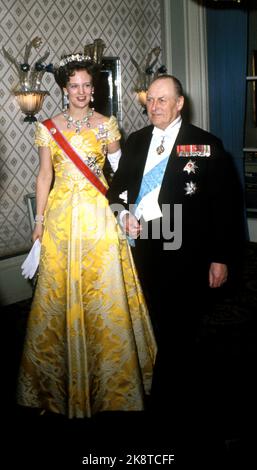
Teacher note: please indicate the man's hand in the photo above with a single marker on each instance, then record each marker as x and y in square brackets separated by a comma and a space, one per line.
[131, 225]
[218, 274]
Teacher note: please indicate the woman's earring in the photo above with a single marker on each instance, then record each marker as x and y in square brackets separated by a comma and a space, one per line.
[65, 100]
[92, 99]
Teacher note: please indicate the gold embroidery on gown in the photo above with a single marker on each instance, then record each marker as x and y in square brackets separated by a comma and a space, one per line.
[89, 345]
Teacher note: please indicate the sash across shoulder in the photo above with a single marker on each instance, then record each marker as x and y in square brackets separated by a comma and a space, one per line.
[71, 153]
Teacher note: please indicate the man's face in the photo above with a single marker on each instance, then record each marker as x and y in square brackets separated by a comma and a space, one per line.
[162, 104]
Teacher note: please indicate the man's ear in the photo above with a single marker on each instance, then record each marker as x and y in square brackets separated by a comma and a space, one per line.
[180, 103]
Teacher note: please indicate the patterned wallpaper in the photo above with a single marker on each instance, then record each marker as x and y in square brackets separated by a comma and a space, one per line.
[126, 26]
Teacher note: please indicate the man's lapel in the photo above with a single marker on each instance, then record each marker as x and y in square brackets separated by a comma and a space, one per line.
[141, 152]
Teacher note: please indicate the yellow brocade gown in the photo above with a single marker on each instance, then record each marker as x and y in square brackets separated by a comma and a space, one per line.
[89, 344]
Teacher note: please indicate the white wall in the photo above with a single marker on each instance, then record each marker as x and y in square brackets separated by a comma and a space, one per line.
[185, 53]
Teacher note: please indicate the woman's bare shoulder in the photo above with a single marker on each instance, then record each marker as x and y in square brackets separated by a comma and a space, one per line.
[60, 121]
[98, 118]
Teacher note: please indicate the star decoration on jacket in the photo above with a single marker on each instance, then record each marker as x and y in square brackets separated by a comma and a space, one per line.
[190, 167]
[190, 188]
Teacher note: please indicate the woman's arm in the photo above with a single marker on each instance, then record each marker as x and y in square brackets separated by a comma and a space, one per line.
[113, 146]
[43, 184]
[114, 154]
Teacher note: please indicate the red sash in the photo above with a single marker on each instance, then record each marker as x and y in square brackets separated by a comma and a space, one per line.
[71, 153]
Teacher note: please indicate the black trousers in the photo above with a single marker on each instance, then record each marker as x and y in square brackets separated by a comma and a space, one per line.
[176, 292]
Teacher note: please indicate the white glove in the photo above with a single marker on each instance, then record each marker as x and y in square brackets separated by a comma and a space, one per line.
[29, 266]
[114, 159]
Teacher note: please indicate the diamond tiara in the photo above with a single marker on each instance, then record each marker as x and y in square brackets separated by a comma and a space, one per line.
[74, 57]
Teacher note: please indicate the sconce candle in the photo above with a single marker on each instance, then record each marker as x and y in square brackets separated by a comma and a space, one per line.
[141, 96]
[146, 73]
[29, 96]
[30, 103]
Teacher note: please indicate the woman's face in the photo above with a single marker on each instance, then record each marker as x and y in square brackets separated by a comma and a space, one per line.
[79, 89]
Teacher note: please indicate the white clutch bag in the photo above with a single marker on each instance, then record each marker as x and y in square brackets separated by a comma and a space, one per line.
[30, 264]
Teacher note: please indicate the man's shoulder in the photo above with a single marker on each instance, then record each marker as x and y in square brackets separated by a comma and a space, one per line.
[193, 131]
[144, 131]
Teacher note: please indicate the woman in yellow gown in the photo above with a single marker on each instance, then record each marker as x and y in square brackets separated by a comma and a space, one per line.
[89, 345]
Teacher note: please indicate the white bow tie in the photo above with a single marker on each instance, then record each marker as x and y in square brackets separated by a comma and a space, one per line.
[168, 131]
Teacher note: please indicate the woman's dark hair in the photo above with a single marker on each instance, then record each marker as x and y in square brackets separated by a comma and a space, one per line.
[64, 72]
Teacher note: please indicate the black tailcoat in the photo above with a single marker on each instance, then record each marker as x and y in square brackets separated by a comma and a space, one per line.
[175, 282]
[211, 217]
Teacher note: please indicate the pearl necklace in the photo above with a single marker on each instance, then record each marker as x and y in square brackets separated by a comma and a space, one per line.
[78, 123]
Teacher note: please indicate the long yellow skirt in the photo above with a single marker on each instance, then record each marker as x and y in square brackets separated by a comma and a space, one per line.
[89, 345]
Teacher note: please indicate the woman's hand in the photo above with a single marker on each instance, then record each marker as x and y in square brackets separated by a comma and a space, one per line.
[37, 232]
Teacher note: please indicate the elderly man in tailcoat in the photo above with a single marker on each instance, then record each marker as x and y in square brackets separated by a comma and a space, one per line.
[183, 217]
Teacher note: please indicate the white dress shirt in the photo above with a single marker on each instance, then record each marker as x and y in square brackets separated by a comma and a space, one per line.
[149, 208]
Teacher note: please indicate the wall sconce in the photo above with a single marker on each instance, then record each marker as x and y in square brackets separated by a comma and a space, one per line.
[141, 96]
[146, 74]
[95, 50]
[30, 103]
[28, 94]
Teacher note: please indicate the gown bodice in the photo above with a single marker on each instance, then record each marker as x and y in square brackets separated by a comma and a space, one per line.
[91, 145]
